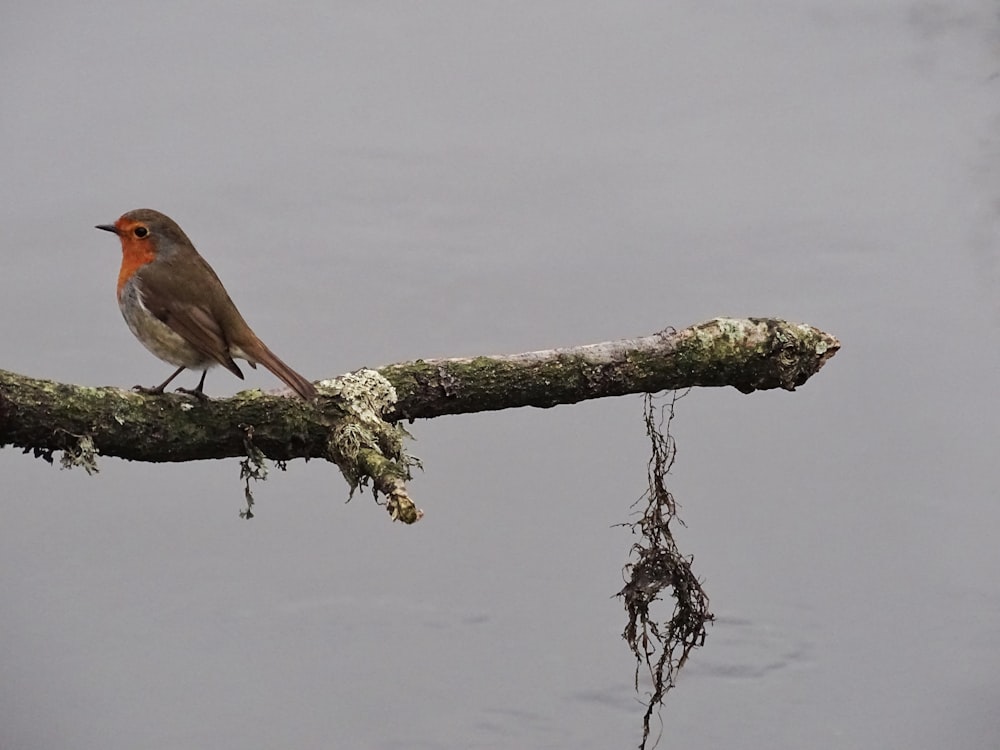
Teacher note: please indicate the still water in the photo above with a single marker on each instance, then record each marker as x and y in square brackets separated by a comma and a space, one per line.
[379, 182]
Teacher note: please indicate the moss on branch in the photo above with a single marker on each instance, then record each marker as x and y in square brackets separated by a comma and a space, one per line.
[352, 421]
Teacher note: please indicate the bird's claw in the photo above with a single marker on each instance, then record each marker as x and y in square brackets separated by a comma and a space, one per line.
[198, 393]
[147, 391]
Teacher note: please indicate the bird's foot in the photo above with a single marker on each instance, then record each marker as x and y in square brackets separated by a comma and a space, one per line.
[147, 391]
[198, 393]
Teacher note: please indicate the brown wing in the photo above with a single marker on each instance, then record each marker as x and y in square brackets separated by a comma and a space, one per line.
[179, 305]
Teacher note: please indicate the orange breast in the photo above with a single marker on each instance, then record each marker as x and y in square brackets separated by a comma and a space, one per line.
[134, 256]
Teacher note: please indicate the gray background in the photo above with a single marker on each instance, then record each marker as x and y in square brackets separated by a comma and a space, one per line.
[381, 181]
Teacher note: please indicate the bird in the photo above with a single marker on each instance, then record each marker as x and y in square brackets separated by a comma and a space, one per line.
[174, 303]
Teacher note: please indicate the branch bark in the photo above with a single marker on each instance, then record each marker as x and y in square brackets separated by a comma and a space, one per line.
[749, 354]
[352, 428]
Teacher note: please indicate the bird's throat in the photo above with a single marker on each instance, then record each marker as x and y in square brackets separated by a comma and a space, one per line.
[134, 257]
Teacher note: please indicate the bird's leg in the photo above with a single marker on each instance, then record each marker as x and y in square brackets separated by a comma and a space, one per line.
[158, 390]
[197, 392]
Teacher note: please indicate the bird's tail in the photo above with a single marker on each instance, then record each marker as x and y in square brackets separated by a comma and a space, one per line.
[272, 362]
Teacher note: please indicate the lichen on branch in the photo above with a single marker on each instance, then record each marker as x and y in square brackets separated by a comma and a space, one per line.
[354, 422]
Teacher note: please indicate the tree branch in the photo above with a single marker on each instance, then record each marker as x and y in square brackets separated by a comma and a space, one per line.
[350, 423]
[749, 354]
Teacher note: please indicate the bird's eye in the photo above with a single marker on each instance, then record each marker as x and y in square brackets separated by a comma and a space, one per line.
[140, 232]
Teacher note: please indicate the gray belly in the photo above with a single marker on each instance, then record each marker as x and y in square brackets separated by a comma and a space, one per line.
[158, 337]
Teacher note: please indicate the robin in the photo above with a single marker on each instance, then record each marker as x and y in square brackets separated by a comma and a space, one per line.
[176, 306]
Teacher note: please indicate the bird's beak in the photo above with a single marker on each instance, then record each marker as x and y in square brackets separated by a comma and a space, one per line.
[107, 228]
